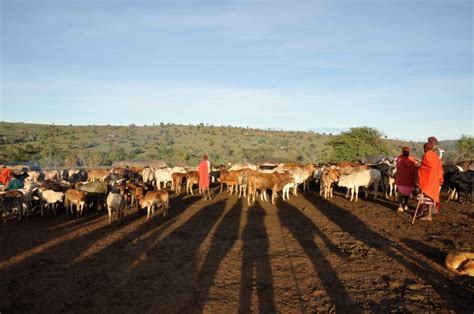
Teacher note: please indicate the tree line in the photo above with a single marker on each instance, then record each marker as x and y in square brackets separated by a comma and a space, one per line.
[354, 144]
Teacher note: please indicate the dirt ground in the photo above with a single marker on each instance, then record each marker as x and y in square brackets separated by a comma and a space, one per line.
[222, 256]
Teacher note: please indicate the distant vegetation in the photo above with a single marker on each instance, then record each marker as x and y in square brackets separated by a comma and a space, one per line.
[357, 143]
[465, 147]
[54, 145]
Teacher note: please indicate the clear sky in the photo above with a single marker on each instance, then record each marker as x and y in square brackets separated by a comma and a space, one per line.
[403, 67]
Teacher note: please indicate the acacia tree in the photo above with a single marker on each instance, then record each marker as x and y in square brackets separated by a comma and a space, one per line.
[465, 147]
[358, 143]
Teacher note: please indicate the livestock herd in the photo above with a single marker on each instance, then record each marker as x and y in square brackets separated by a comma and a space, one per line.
[146, 187]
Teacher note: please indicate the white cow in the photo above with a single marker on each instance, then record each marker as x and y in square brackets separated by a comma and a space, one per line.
[115, 203]
[365, 178]
[164, 175]
[148, 175]
[300, 174]
[51, 199]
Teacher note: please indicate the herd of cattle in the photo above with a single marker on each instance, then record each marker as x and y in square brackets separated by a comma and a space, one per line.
[116, 189]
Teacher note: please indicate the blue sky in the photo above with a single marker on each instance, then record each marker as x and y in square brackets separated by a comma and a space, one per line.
[403, 67]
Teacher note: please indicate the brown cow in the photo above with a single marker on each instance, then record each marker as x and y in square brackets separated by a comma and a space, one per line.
[192, 178]
[284, 181]
[97, 174]
[262, 182]
[328, 177]
[235, 179]
[177, 180]
[138, 195]
[75, 197]
[152, 198]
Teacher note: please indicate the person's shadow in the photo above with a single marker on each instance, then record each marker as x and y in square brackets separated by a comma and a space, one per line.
[256, 268]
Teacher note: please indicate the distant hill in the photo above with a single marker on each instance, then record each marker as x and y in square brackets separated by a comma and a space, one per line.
[172, 143]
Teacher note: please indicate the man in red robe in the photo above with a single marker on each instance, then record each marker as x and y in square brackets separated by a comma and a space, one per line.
[405, 177]
[5, 175]
[430, 176]
[203, 170]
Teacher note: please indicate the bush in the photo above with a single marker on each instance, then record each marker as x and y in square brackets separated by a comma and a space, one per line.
[358, 143]
[465, 147]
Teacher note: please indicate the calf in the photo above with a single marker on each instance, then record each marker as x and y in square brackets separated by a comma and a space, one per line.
[116, 203]
[229, 178]
[177, 179]
[153, 198]
[392, 187]
[138, 194]
[192, 178]
[328, 178]
[75, 197]
[260, 181]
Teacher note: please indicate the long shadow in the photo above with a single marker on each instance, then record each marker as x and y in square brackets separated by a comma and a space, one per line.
[256, 267]
[55, 259]
[166, 275]
[56, 226]
[18, 277]
[224, 238]
[456, 296]
[304, 230]
[178, 206]
[430, 252]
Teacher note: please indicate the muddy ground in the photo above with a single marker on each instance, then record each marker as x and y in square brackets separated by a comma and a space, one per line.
[222, 256]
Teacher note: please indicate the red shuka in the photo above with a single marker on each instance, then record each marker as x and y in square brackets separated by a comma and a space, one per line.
[406, 171]
[5, 176]
[430, 175]
[203, 171]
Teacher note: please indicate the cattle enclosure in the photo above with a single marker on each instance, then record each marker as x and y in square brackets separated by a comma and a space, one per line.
[224, 256]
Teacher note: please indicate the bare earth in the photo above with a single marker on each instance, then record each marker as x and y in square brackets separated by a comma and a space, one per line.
[305, 255]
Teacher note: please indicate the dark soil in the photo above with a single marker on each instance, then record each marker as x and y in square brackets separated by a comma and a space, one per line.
[222, 256]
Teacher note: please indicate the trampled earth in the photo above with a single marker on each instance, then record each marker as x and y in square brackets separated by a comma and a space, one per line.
[222, 256]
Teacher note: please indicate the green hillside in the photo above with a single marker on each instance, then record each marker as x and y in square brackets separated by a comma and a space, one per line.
[56, 145]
